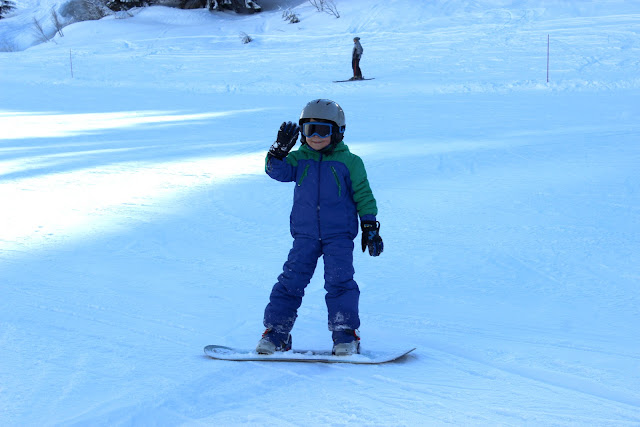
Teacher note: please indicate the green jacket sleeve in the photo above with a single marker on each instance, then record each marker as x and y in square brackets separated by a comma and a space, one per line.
[362, 194]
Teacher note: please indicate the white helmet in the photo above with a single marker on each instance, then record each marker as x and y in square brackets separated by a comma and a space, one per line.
[326, 110]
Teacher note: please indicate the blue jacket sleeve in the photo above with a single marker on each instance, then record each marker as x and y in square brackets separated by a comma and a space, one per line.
[280, 170]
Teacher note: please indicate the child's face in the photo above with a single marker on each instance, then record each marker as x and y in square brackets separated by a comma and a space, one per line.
[316, 142]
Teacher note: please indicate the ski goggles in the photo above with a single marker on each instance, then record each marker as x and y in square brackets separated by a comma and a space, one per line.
[323, 130]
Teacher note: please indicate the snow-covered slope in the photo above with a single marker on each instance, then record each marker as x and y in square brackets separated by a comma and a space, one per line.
[137, 224]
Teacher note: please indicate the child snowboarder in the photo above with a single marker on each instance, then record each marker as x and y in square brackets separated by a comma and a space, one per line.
[331, 191]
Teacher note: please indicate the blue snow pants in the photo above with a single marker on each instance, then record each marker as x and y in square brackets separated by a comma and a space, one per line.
[342, 291]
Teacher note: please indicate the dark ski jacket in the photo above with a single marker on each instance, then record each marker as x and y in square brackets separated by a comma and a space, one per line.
[331, 191]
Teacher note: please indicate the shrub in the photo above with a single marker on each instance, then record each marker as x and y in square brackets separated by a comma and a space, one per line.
[288, 15]
[5, 7]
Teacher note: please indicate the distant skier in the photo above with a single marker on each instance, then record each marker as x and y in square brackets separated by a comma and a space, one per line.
[355, 59]
[331, 191]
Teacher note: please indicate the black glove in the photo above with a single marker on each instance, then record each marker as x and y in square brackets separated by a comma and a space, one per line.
[287, 137]
[371, 237]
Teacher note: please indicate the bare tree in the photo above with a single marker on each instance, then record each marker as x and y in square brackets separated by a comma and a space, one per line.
[39, 31]
[327, 6]
[318, 4]
[331, 9]
[56, 22]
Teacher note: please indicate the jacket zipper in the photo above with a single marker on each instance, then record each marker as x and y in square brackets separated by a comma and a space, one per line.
[318, 209]
[335, 175]
[304, 175]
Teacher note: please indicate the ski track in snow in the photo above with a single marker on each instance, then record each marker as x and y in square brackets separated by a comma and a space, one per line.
[137, 225]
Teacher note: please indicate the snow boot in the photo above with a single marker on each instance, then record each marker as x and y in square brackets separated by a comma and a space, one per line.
[273, 341]
[346, 342]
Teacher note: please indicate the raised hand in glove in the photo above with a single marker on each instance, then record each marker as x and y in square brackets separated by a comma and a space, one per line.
[287, 137]
[371, 237]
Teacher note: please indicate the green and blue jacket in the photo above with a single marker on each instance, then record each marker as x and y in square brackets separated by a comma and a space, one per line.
[331, 191]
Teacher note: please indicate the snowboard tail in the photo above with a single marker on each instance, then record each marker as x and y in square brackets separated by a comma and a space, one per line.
[305, 356]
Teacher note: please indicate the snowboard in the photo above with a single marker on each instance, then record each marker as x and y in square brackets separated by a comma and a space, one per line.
[307, 356]
[342, 81]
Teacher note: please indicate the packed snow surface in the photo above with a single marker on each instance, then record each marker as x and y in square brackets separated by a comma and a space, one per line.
[138, 225]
